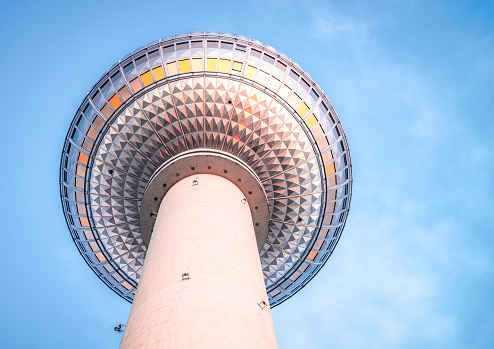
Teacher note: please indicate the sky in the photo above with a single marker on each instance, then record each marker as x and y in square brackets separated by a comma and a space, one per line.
[413, 85]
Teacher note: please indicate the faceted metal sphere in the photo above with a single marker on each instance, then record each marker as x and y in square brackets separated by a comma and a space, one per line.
[207, 91]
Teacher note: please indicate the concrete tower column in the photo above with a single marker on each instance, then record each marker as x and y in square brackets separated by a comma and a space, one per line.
[204, 230]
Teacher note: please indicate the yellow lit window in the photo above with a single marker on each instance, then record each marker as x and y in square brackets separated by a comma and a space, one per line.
[212, 64]
[158, 73]
[196, 64]
[224, 66]
[147, 78]
[250, 72]
[184, 66]
[115, 101]
[303, 109]
[237, 66]
[172, 68]
[311, 120]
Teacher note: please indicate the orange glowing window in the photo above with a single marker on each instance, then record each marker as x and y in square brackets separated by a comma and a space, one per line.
[184, 66]
[158, 73]
[124, 93]
[115, 102]
[100, 257]
[83, 158]
[212, 62]
[126, 285]
[136, 84]
[312, 255]
[330, 169]
[147, 78]
[224, 66]
[84, 221]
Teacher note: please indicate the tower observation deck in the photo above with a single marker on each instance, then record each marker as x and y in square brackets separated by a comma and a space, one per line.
[205, 178]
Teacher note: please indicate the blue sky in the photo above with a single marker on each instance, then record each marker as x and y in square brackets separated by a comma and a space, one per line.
[413, 84]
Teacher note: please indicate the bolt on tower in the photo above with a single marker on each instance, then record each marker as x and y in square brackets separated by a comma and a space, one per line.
[212, 171]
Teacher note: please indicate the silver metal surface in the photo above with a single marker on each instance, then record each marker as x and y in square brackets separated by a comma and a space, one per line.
[205, 161]
[213, 91]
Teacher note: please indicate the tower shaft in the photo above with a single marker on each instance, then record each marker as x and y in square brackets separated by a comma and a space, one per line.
[202, 284]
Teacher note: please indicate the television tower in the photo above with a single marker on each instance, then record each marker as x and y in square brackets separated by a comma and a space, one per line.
[205, 178]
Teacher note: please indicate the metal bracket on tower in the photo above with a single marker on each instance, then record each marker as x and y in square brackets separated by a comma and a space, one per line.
[195, 182]
[263, 304]
[185, 276]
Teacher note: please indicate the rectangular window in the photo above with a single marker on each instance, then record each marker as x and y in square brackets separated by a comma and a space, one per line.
[184, 66]
[168, 49]
[250, 72]
[197, 64]
[255, 53]
[136, 84]
[154, 54]
[212, 63]
[183, 46]
[147, 78]
[128, 67]
[212, 44]
[237, 66]
[158, 73]
[172, 68]
[224, 66]
[269, 59]
[196, 44]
